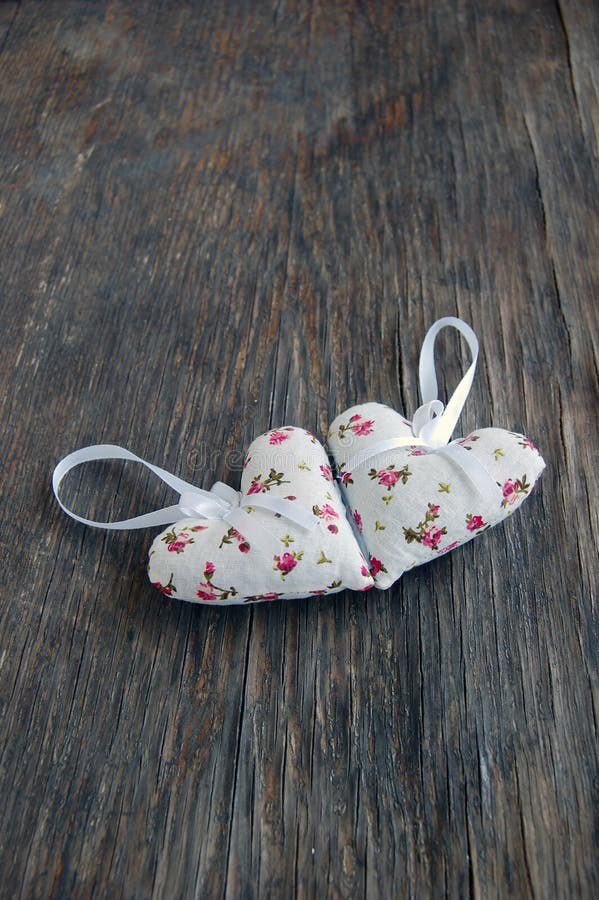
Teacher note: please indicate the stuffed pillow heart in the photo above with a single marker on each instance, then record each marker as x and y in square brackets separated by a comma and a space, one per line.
[412, 494]
[285, 535]
[413, 503]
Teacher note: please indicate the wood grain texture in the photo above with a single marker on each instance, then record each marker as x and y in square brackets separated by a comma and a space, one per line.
[218, 217]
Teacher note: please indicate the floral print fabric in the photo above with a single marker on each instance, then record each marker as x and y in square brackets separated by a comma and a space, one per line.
[406, 506]
[208, 561]
[411, 504]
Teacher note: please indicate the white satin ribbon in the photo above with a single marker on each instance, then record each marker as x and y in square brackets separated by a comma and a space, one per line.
[220, 502]
[433, 423]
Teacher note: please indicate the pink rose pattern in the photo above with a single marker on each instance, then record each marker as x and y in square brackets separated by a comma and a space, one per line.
[232, 534]
[525, 442]
[390, 476]
[166, 589]
[475, 523]
[430, 531]
[261, 485]
[176, 542]
[301, 553]
[286, 562]
[345, 477]
[328, 514]
[376, 566]
[278, 436]
[427, 532]
[512, 490]
[357, 425]
[208, 591]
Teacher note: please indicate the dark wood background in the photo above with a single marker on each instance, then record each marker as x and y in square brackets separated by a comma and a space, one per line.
[217, 217]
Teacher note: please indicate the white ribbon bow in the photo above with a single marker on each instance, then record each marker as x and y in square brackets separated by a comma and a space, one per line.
[220, 502]
[433, 423]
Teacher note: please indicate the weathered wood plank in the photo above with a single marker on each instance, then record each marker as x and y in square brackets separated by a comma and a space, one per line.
[218, 217]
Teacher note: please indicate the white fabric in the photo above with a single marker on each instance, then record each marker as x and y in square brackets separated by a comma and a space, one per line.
[438, 431]
[412, 495]
[266, 555]
[382, 512]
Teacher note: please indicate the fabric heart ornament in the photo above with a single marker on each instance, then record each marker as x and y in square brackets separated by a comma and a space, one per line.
[284, 535]
[413, 493]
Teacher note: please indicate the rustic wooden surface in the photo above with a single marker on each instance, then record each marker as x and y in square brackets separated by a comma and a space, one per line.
[218, 217]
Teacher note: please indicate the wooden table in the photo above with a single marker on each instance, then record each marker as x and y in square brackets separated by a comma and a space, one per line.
[218, 217]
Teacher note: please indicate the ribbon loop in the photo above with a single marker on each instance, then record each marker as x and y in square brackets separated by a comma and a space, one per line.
[220, 502]
[165, 516]
[433, 423]
[439, 432]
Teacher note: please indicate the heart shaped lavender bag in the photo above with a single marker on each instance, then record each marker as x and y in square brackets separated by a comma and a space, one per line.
[413, 493]
[284, 535]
